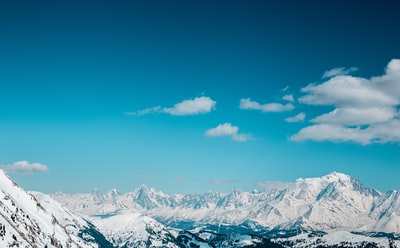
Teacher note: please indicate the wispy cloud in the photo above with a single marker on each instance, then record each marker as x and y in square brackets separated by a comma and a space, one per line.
[223, 181]
[276, 185]
[288, 98]
[248, 104]
[198, 105]
[364, 111]
[24, 167]
[227, 129]
[339, 71]
[297, 118]
[156, 109]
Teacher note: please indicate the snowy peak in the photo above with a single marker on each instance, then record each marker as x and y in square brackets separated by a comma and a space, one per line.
[236, 198]
[333, 186]
[149, 198]
[344, 180]
[113, 193]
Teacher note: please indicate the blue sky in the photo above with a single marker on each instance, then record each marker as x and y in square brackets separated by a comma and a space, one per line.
[192, 96]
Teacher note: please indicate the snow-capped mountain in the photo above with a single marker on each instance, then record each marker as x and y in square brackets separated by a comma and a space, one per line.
[332, 202]
[36, 220]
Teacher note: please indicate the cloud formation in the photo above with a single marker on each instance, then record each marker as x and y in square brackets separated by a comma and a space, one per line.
[198, 105]
[297, 118]
[364, 111]
[288, 98]
[276, 185]
[339, 71]
[24, 167]
[227, 129]
[248, 104]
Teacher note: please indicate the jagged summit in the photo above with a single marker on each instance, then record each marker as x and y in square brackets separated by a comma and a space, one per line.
[113, 193]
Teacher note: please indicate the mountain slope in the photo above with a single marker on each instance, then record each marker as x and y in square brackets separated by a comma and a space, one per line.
[130, 230]
[27, 222]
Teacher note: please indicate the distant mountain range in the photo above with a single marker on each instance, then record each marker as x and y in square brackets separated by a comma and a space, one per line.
[334, 201]
[335, 210]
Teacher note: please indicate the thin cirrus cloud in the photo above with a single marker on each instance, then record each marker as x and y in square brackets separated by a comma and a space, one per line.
[227, 130]
[24, 167]
[248, 104]
[364, 111]
[339, 71]
[198, 105]
[278, 185]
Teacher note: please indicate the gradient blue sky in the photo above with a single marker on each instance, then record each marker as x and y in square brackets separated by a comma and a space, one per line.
[191, 96]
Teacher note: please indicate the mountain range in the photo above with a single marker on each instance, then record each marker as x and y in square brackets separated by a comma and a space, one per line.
[334, 201]
[335, 210]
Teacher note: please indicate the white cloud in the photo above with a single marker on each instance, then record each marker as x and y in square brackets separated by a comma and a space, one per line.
[227, 129]
[198, 105]
[328, 132]
[297, 118]
[156, 109]
[247, 103]
[378, 133]
[346, 91]
[357, 102]
[24, 167]
[339, 71]
[385, 132]
[356, 116]
[390, 82]
[288, 98]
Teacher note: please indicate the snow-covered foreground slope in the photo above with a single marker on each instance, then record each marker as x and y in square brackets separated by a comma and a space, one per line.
[27, 221]
[136, 230]
[332, 202]
[336, 239]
